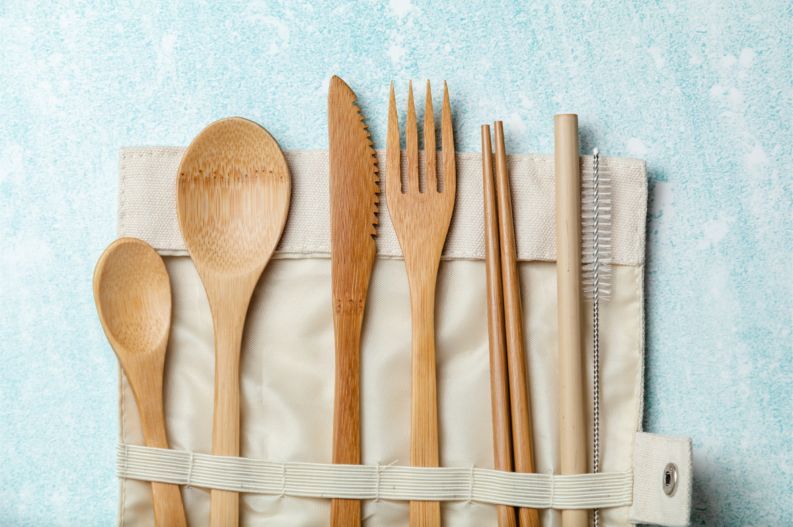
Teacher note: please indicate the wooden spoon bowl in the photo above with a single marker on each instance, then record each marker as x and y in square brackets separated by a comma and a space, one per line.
[133, 297]
[232, 199]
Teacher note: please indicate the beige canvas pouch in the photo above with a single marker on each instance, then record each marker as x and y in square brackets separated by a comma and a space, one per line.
[288, 363]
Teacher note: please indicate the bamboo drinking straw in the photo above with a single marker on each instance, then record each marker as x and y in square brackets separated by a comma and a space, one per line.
[568, 287]
[499, 383]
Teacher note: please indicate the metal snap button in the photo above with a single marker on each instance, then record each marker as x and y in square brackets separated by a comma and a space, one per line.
[670, 479]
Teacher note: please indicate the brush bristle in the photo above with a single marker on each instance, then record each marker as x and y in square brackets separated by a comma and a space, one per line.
[596, 229]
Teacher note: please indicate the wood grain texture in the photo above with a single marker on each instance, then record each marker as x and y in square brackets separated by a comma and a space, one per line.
[232, 197]
[421, 221]
[499, 376]
[354, 188]
[132, 292]
[572, 431]
[522, 431]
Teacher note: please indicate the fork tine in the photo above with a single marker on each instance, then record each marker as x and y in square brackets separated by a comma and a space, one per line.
[412, 144]
[449, 177]
[393, 177]
[430, 161]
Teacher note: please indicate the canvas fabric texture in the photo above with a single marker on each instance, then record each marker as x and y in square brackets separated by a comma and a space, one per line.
[288, 349]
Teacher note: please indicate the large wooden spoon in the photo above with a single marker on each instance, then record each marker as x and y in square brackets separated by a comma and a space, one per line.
[232, 199]
[133, 297]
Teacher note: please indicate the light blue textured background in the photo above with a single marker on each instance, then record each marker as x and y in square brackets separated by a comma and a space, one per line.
[701, 90]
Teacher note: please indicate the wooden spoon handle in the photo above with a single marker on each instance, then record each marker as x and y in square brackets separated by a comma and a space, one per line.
[166, 497]
[425, 514]
[168, 509]
[224, 505]
[224, 508]
[424, 401]
[345, 513]
[347, 409]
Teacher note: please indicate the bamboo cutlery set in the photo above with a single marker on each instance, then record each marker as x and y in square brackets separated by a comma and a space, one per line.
[233, 196]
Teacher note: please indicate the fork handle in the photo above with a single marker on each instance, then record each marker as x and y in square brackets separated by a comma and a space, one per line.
[424, 400]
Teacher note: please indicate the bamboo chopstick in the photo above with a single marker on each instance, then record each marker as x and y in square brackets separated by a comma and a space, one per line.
[499, 383]
[522, 444]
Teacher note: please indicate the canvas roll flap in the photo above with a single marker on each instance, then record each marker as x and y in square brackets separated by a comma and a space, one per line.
[663, 474]
[147, 205]
[288, 358]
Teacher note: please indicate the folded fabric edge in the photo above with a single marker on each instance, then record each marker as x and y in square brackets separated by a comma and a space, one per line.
[149, 150]
[147, 206]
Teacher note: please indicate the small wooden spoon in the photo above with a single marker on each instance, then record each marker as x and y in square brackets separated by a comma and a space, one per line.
[133, 297]
[232, 200]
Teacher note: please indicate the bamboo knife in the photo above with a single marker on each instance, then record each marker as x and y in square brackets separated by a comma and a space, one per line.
[354, 189]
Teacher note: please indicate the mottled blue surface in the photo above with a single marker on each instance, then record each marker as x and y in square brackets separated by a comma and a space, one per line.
[701, 90]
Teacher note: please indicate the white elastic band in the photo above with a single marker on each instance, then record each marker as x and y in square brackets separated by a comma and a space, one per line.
[318, 480]
[471, 485]
[190, 470]
[377, 489]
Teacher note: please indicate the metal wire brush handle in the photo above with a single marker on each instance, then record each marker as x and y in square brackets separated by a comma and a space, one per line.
[596, 343]
[597, 281]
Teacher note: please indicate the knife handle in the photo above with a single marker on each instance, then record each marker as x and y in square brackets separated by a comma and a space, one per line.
[347, 323]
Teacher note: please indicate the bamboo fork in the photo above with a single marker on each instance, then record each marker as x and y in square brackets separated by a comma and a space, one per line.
[523, 446]
[499, 377]
[421, 215]
[568, 275]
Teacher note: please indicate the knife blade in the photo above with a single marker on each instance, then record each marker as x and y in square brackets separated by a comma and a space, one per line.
[354, 198]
